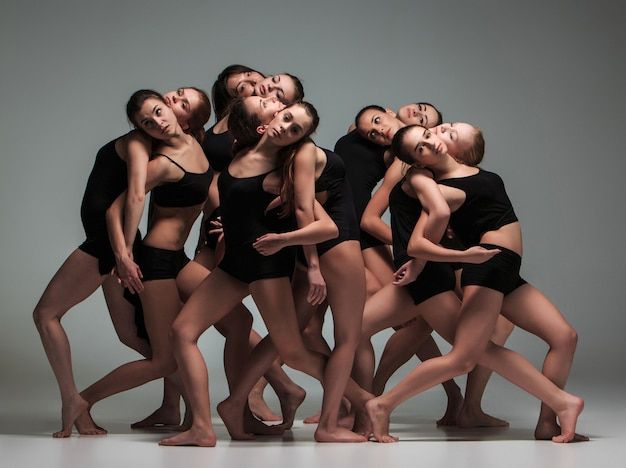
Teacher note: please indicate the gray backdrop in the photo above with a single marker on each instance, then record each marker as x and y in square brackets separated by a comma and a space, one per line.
[542, 79]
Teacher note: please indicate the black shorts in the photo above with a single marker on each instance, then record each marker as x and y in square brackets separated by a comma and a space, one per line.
[157, 264]
[247, 265]
[435, 278]
[100, 248]
[500, 272]
[210, 240]
[367, 240]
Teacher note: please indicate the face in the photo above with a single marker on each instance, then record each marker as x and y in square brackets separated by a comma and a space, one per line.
[156, 119]
[184, 102]
[289, 126]
[379, 127]
[423, 115]
[242, 84]
[458, 136]
[425, 146]
[265, 108]
[281, 86]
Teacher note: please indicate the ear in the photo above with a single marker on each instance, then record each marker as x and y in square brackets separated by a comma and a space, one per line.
[185, 126]
[261, 129]
[391, 112]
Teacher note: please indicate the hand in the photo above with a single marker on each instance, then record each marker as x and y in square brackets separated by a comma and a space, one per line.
[269, 244]
[317, 286]
[478, 254]
[408, 272]
[216, 228]
[129, 274]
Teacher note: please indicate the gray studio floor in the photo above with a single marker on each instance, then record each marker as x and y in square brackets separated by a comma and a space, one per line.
[25, 441]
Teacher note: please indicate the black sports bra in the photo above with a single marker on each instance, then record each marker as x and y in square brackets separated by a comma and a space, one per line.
[190, 190]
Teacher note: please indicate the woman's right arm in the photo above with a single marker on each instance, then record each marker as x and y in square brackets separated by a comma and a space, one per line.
[127, 270]
[371, 221]
[138, 148]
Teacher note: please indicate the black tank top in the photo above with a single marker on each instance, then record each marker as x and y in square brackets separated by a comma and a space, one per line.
[218, 148]
[364, 165]
[333, 175]
[108, 179]
[486, 208]
[243, 202]
[405, 211]
[190, 190]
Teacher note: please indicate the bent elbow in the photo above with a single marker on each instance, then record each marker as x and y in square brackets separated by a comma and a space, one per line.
[415, 249]
[333, 230]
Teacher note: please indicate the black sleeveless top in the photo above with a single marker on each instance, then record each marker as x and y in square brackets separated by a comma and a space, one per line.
[108, 179]
[190, 190]
[405, 211]
[364, 165]
[486, 208]
[218, 148]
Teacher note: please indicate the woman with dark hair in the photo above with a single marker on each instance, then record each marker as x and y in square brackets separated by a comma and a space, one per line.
[233, 81]
[483, 218]
[248, 188]
[119, 164]
[180, 175]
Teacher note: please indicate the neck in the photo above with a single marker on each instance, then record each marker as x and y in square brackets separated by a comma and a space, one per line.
[267, 149]
[446, 166]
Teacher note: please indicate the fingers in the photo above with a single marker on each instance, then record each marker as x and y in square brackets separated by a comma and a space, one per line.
[317, 294]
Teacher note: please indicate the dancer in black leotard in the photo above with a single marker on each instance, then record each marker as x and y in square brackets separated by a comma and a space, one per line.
[88, 267]
[233, 81]
[177, 204]
[482, 303]
[253, 172]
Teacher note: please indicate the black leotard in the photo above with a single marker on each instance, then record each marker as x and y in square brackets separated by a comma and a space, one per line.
[108, 179]
[339, 204]
[190, 190]
[365, 167]
[218, 148]
[486, 208]
[436, 277]
[243, 204]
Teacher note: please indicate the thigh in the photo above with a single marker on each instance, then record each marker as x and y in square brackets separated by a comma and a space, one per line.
[161, 304]
[212, 300]
[479, 312]
[75, 281]
[207, 258]
[274, 300]
[531, 310]
[390, 306]
[441, 313]
[344, 272]
[378, 260]
[189, 278]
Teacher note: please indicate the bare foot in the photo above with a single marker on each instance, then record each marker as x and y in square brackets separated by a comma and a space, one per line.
[163, 416]
[347, 420]
[452, 411]
[70, 411]
[259, 407]
[379, 417]
[339, 434]
[289, 404]
[362, 424]
[232, 415]
[85, 425]
[475, 417]
[567, 419]
[256, 427]
[314, 419]
[194, 436]
[546, 430]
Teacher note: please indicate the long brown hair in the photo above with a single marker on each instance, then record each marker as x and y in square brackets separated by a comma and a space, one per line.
[287, 156]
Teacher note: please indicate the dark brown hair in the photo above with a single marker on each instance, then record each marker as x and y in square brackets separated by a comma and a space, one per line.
[136, 101]
[219, 92]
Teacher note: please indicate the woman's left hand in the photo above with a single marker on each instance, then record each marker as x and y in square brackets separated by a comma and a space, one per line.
[269, 244]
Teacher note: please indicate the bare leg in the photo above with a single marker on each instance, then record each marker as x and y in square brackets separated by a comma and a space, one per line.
[471, 414]
[76, 280]
[343, 269]
[193, 320]
[471, 345]
[531, 310]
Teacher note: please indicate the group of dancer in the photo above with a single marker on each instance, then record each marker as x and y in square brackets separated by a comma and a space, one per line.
[296, 227]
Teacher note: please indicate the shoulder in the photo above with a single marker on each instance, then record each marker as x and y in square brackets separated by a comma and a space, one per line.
[420, 178]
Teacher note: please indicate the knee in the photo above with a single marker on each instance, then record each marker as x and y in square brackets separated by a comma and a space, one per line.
[164, 366]
[462, 363]
[181, 335]
[293, 356]
[567, 339]
[43, 316]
